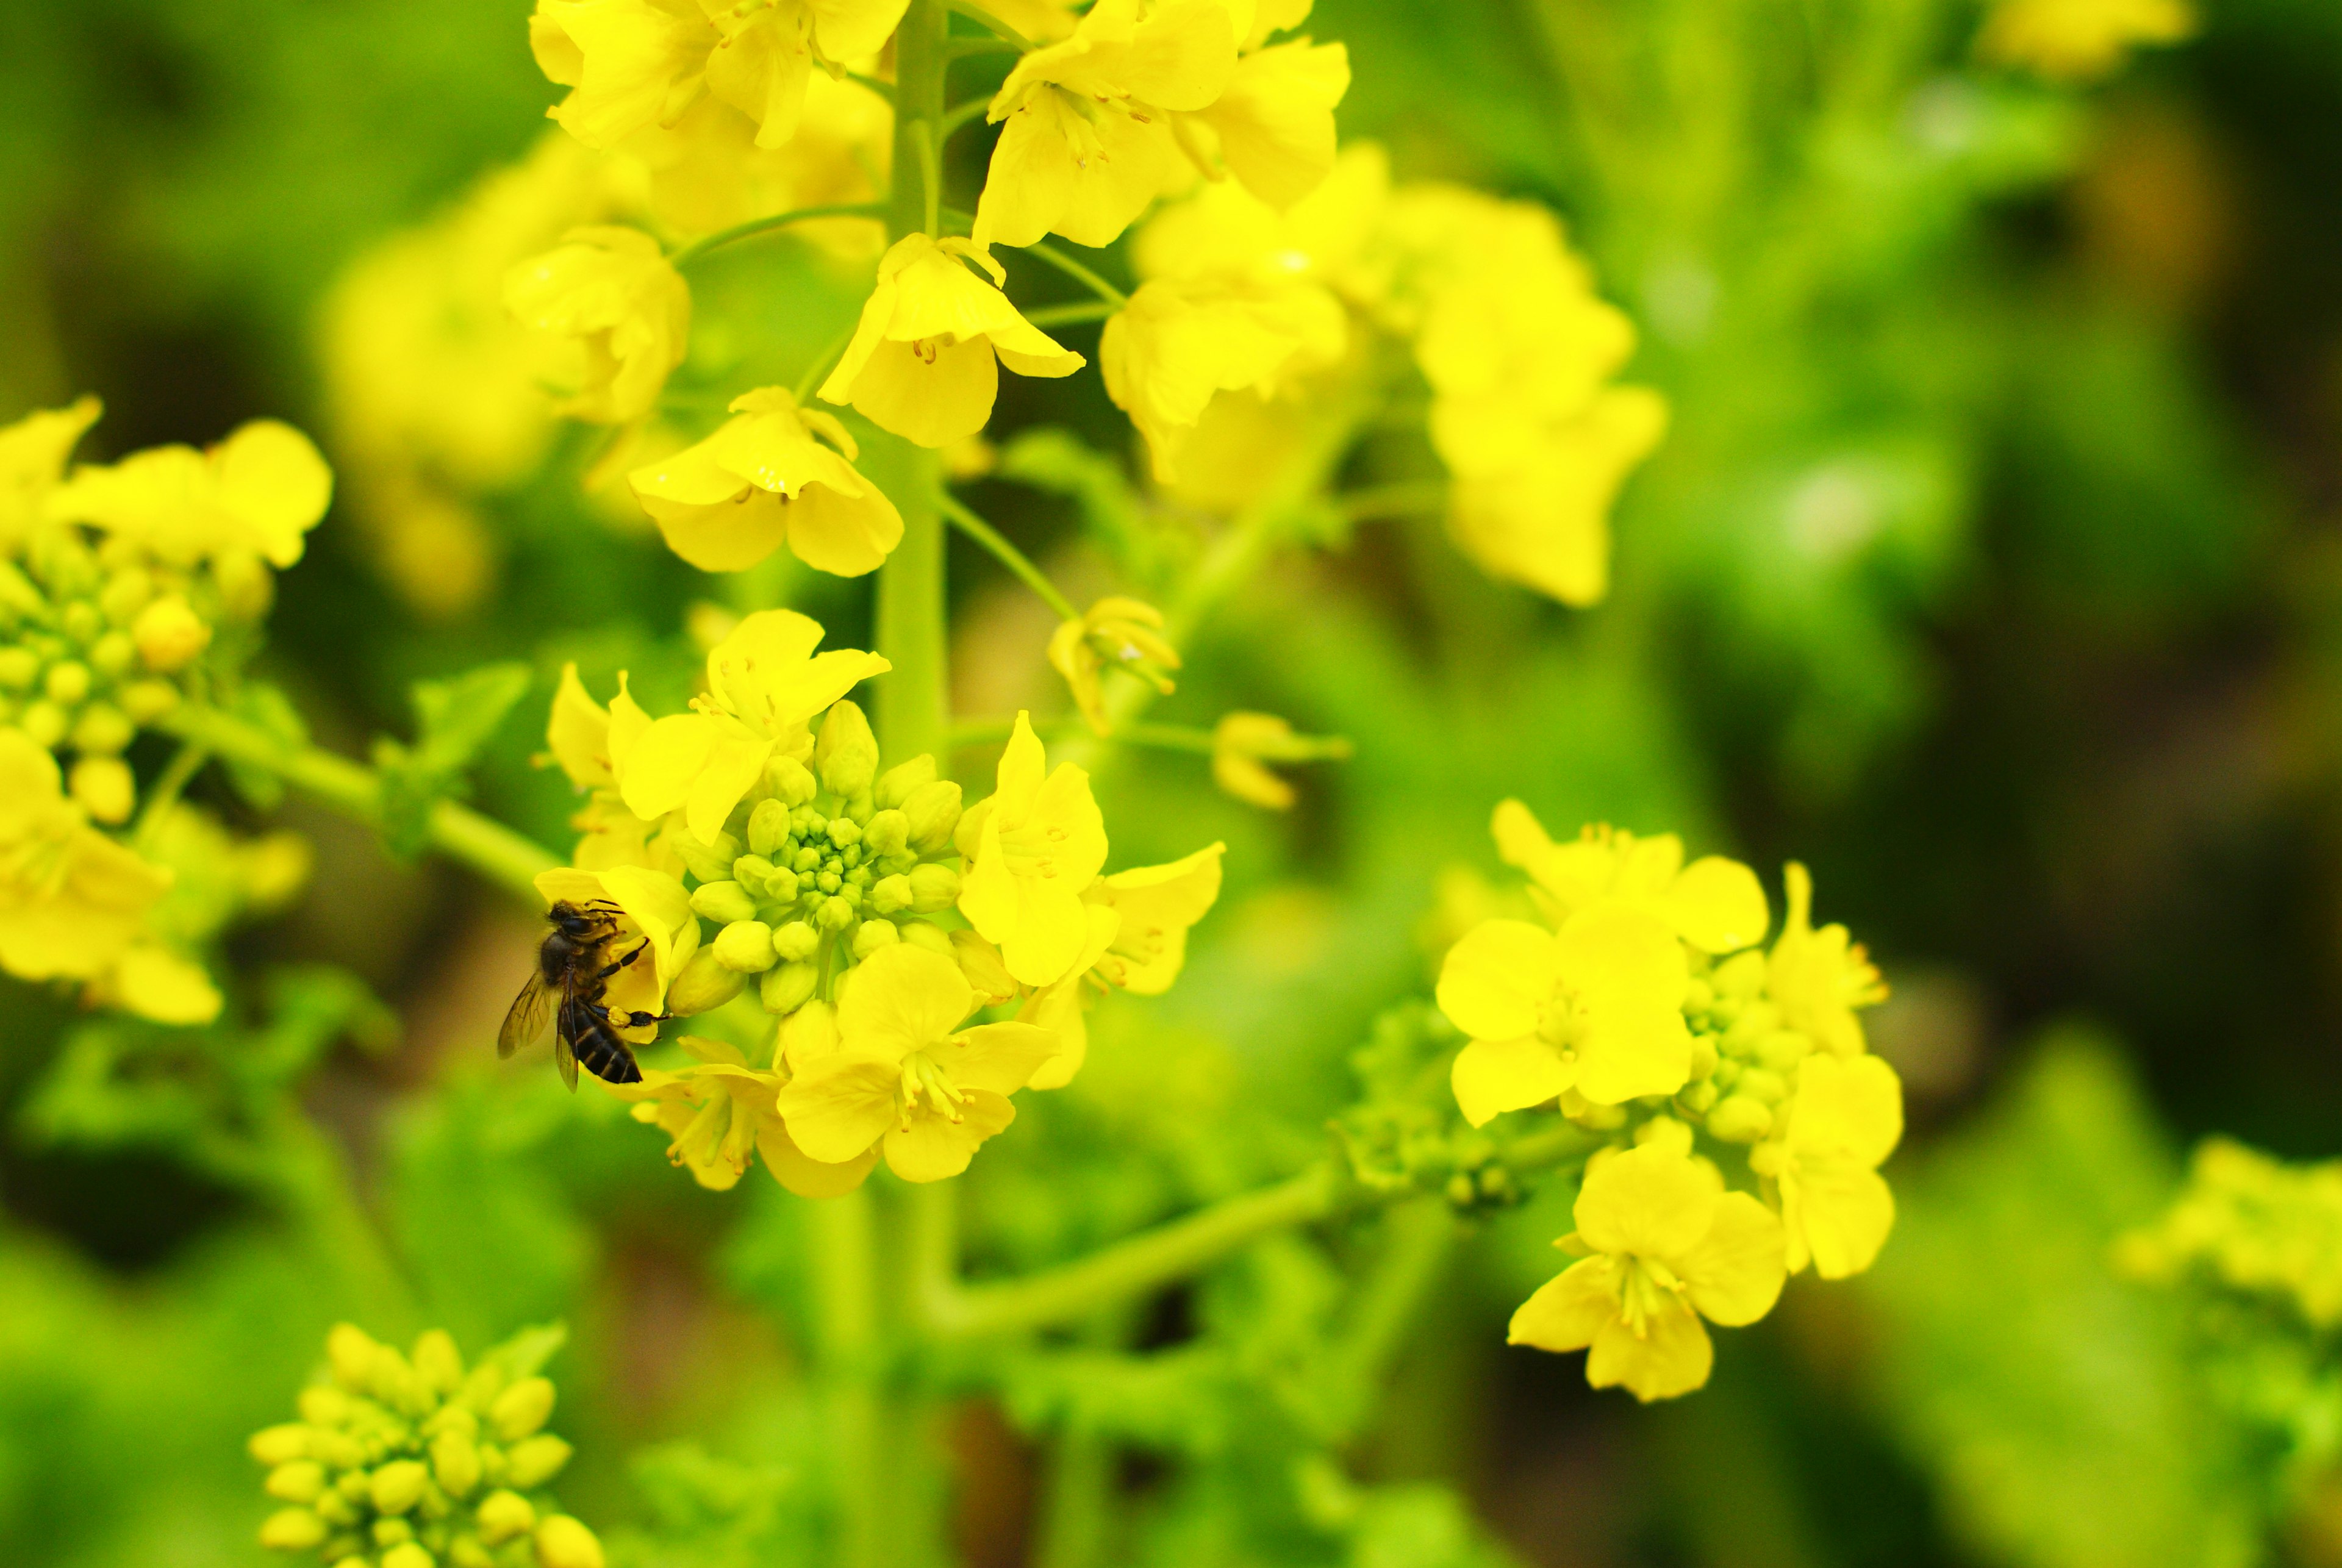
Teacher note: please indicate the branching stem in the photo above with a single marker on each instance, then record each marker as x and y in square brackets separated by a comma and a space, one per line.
[685, 254]
[1007, 554]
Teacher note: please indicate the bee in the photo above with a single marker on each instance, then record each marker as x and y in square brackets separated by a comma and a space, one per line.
[568, 988]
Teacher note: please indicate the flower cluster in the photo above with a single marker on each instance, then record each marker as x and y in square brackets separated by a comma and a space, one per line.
[125, 591]
[2254, 1225]
[1501, 318]
[410, 1460]
[756, 839]
[2080, 40]
[1643, 1005]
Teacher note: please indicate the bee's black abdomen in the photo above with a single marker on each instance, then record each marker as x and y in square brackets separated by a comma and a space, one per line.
[601, 1052]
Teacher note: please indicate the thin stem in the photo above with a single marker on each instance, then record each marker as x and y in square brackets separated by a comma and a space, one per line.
[1043, 251]
[845, 1326]
[818, 370]
[987, 20]
[884, 89]
[1007, 554]
[1409, 499]
[1182, 1247]
[1070, 315]
[960, 114]
[685, 255]
[185, 764]
[961, 48]
[484, 844]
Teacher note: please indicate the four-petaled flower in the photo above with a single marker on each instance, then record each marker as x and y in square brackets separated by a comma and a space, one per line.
[1032, 849]
[1845, 1119]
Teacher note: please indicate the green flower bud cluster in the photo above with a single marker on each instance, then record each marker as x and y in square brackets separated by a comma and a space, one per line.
[96, 640]
[825, 863]
[2252, 1225]
[412, 1462]
[1744, 1061]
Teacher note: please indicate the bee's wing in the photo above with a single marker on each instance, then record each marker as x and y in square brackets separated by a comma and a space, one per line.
[565, 1049]
[565, 1056]
[527, 1020]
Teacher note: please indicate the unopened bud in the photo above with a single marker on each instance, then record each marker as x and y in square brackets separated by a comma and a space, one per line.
[724, 901]
[67, 683]
[873, 936]
[534, 1461]
[437, 1362]
[835, 914]
[144, 702]
[746, 945]
[503, 1515]
[169, 635]
[782, 886]
[846, 754]
[784, 988]
[934, 887]
[769, 824]
[521, 1409]
[19, 668]
[794, 940]
[245, 587]
[1759, 1084]
[300, 1480]
[932, 813]
[845, 831]
[707, 862]
[1740, 1119]
[705, 984]
[125, 593]
[564, 1542]
[45, 723]
[324, 1406]
[926, 934]
[896, 785]
[292, 1529]
[350, 1350]
[1782, 1050]
[407, 1554]
[113, 654]
[105, 787]
[791, 781]
[887, 832]
[454, 1462]
[279, 1444]
[397, 1486]
[891, 895]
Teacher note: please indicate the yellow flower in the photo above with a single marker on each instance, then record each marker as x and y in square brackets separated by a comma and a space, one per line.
[635, 64]
[1331, 237]
[763, 479]
[1239, 742]
[33, 453]
[2254, 1225]
[1174, 345]
[2080, 40]
[581, 736]
[706, 172]
[906, 1074]
[1157, 906]
[1820, 977]
[716, 1112]
[654, 912]
[1714, 904]
[1032, 849]
[1845, 1119]
[261, 490]
[1669, 1246]
[1272, 126]
[1597, 1008]
[765, 683]
[71, 900]
[611, 290]
[1124, 633]
[1545, 524]
[1088, 143]
[922, 362]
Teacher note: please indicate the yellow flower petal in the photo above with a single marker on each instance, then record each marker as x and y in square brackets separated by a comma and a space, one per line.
[1648, 1202]
[1570, 1309]
[1734, 1275]
[932, 1147]
[1493, 1076]
[902, 999]
[1493, 982]
[840, 1106]
[1672, 1356]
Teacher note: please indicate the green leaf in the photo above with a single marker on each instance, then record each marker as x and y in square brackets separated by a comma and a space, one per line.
[266, 707]
[454, 720]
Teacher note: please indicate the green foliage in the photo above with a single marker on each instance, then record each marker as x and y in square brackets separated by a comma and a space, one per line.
[454, 720]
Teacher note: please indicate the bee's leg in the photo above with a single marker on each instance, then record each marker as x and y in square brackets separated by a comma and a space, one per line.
[625, 1020]
[621, 964]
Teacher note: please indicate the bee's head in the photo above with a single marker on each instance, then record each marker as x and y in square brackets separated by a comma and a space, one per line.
[580, 921]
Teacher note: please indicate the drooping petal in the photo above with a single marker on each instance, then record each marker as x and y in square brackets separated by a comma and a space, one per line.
[802, 1174]
[1839, 1218]
[1672, 1356]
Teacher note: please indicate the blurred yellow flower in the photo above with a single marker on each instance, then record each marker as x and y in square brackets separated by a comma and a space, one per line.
[1845, 1119]
[260, 491]
[718, 1113]
[1032, 849]
[905, 1075]
[2250, 1224]
[2080, 40]
[1175, 345]
[1240, 742]
[1820, 977]
[1669, 1247]
[767, 478]
[1272, 127]
[1545, 522]
[923, 360]
[1125, 634]
[73, 901]
[33, 453]
[1596, 1007]
[1715, 904]
[627, 314]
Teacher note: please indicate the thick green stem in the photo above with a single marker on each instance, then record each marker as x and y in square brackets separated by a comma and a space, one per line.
[845, 1330]
[487, 846]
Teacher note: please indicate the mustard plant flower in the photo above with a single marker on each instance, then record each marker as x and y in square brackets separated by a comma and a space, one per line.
[2252, 1224]
[1845, 1119]
[1272, 126]
[1818, 978]
[1156, 906]
[1666, 1246]
[773, 474]
[765, 683]
[926, 355]
[716, 1112]
[610, 292]
[1087, 141]
[260, 491]
[1032, 849]
[655, 914]
[1124, 634]
[1545, 522]
[71, 901]
[2080, 40]
[1596, 1007]
[1715, 904]
[1175, 345]
[1240, 742]
[32, 453]
[906, 1076]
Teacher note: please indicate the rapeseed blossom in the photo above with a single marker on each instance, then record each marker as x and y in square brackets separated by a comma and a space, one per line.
[411, 1461]
[2080, 40]
[2251, 1224]
[1032, 848]
[1115, 632]
[610, 293]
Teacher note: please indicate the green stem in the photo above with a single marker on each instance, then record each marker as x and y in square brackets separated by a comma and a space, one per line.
[818, 370]
[955, 118]
[1409, 499]
[1072, 315]
[845, 1331]
[487, 846]
[1042, 250]
[987, 20]
[1182, 1247]
[1007, 554]
[685, 255]
[1420, 1237]
[183, 766]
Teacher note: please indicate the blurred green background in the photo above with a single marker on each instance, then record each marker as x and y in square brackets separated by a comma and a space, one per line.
[1991, 568]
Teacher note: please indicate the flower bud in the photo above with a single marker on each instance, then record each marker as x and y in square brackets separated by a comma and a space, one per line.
[397, 1486]
[17, 593]
[934, 887]
[350, 1351]
[891, 895]
[926, 934]
[1703, 1057]
[534, 1461]
[564, 1542]
[521, 1409]
[144, 702]
[807, 1035]
[292, 1529]
[105, 788]
[19, 668]
[113, 654]
[454, 1462]
[125, 593]
[1740, 1119]
[707, 862]
[245, 587]
[845, 831]
[503, 1515]
[791, 781]
[45, 721]
[896, 785]
[724, 901]
[705, 984]
[392, 1532]
[67, 683]
[169, 635]
[465, 1551]
[933, 813]
[746, 945]
[888, 833]
[438, 1363]
[279, 1444]
[298, 1481]
[407, 1554]
[1759, 1084]
[795, 941]
[846, 754]
[835, 914]
[769, 824]
[324, 1405]
[1782, 1050]
[1698, 1099]
[782, 885]
[785, 989]
[873, 936]
[82, 621]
